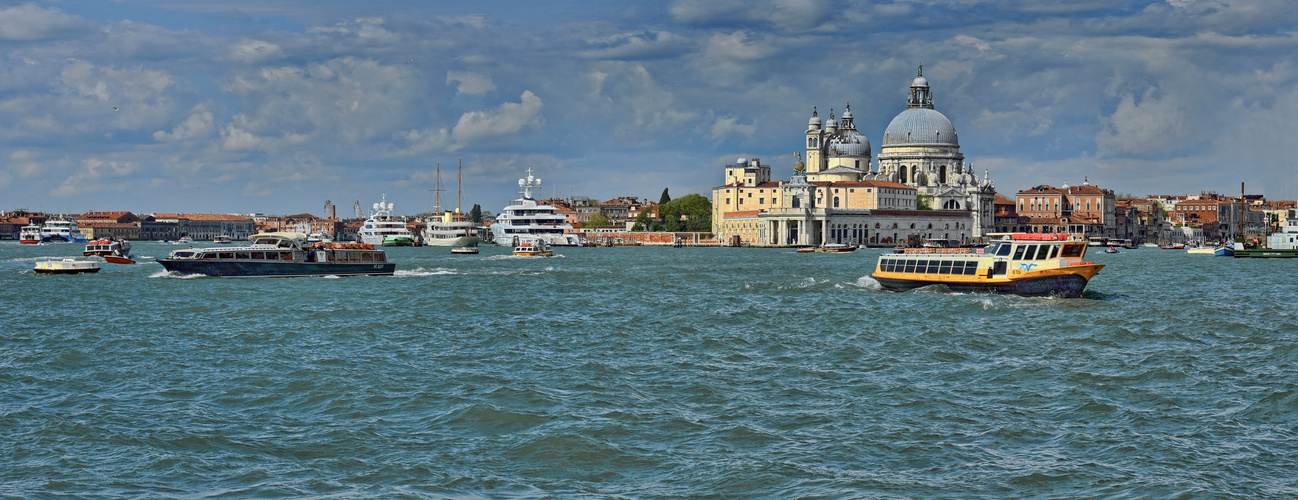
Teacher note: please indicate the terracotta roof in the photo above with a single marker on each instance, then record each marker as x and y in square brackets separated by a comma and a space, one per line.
[742, 213]
[203, 217]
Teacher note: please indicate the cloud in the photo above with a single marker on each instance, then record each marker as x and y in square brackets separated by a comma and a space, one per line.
[199, 124]
[470, 83]
[96, 175]
[782, 15]
[255, 52]
[507, 120]
[728, 125]
[638, 46]
[29, 22]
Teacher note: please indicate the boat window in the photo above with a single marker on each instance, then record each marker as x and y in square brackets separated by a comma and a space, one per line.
[932, 267]
[971, 267]
[1043, 252]
[259, 255]
[365, 257]
[379, 257]
[1018, 251]
[1073, 250]
[286, 256]
[892, 265]
[184, 255]
[1002, 249]
[910, 266]
[1054, 251]
[945, 268]
[225, 255]
[241, 255]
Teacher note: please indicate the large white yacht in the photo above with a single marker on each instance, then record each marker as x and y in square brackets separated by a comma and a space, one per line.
[384, 229]
[61, 231]
[526, 220]
[447, 229]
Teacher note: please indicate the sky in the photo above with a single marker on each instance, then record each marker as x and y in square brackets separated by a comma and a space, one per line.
[162, 106]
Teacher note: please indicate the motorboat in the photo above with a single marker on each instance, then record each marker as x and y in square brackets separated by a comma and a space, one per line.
[222, 239]
[1173, 246]
[1201, 250]
[464, 250]
[533, 248]
[61, 231]
[526, 219]
[1111, 250]
[319, 237]
[1027, 264]
[66, 266]
[185, 240]
[108, 247]
[383, 229]
[30, 235]
[281, 254]
[1224, 251]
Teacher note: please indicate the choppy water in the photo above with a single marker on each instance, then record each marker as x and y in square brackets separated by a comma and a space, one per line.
[647, 373]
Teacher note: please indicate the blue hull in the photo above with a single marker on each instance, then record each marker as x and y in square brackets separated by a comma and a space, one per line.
[61, 239]
[1065, 286]
[278, 269]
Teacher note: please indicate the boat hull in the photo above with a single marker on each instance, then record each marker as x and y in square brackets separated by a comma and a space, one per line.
[277, 269]
[1267, 253]
[462, 241]
[1057, 285]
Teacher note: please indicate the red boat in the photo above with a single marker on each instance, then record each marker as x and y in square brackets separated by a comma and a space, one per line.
[31, 235]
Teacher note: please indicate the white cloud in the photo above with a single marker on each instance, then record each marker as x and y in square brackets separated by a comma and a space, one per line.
[1154, 125]
[29, 21]
[507, 120]
[470, 83]
[199, 124]
[255, 51]
[640, 45]
[728, 125]
[96, 175]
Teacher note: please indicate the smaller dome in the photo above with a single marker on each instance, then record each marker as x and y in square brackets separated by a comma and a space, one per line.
[919, 82]
[814, 122]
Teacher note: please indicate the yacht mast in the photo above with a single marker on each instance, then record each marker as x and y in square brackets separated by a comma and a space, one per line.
[437, 193]
[459, 187]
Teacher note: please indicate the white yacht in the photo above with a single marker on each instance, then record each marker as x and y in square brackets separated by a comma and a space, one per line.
[384, 229]
[526, 220]
[61, 231]
[449, 230]
[30, 235]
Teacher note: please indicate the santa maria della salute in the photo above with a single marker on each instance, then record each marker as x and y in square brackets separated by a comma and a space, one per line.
[837, 196]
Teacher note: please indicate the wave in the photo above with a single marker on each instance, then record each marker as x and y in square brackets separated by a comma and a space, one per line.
[420, 271]
[175, 275]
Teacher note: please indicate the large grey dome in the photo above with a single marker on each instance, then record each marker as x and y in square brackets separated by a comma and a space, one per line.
[920, 126]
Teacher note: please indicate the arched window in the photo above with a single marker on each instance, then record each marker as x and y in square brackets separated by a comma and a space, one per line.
[835, 202]
[902, 170]
[941, 174]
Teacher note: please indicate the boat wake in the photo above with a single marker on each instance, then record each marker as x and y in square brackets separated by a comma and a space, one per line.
[419, 271]
[176, 275]
[869, 283]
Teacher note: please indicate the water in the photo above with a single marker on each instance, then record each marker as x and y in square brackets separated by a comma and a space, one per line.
[647, 373]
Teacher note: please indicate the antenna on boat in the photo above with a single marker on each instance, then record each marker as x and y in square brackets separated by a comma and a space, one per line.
[459, 187]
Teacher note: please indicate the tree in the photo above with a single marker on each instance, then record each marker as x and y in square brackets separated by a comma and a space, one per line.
[642, 220]
[597, 220]
[662, 200]
[923, 201]
[475, 214]
[691, 212]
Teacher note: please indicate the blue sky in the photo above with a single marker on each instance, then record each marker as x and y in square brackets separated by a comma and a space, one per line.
[277, 106]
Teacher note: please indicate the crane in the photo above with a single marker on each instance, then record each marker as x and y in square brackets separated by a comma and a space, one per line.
[357, 207]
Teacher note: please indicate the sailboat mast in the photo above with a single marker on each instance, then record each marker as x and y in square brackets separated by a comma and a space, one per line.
[459, 187]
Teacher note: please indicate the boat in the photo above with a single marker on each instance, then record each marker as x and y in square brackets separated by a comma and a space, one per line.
[450, 230]
[61, 231]
[67, 266]
[30, 235]
[1224, 251]
[1201, 250]
[525, 219]
[1150, 245]
[185, 240]
[1283, 244]
[1111, 250]
[464, 250]
[533, 248]
[1027, 264]
[319, 237]
[830, 248]
[381, 228]
[281, 254]
[107, 247]
[1173, 246]
[222, 239]
[1097, 241]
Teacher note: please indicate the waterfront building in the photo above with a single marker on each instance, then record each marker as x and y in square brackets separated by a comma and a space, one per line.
[12, 222]
[208, 226]
[1085, 211]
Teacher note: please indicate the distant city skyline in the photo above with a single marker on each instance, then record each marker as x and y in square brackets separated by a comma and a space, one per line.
[275, 107]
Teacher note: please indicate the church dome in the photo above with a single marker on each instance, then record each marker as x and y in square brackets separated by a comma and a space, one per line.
[849, 143]
[920, 126]
[814, 123]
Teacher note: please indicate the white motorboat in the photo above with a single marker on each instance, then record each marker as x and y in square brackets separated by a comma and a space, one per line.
[66, 266]
[105, 247]
[525, 219]
[533, 248]
[384, 229]
[222, 239]
[61, 231]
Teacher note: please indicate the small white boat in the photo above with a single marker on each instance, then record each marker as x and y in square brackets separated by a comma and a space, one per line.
[222, 239]
[185, 240]
[464, 250]
[67, 266]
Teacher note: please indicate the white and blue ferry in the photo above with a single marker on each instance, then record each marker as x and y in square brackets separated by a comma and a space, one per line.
[282, 255]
